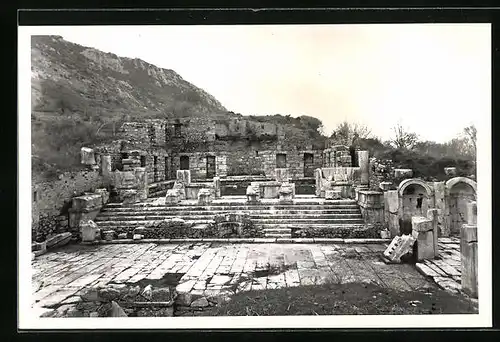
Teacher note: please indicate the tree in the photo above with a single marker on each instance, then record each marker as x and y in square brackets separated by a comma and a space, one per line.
[349, 134]
[470, 133]
[403, 138]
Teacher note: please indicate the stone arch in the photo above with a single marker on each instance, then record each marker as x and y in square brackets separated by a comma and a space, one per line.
[459, 192]
[454, 181]
[413, 181]
[415, 198]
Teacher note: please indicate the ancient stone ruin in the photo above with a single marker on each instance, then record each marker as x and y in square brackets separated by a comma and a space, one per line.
[182, 179]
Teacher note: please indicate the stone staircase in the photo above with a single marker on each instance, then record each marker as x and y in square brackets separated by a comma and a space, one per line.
[276, 219]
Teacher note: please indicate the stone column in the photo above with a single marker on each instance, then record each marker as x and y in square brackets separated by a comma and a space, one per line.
[216, 181]
[106, 165]
[318, 176]
[364, 165]
[432, 214]
[142, 182]
[468, 250]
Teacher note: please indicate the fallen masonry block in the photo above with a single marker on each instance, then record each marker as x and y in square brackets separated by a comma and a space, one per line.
[122, 236]
[399, 246]
[39, 246]
[58, 240]
[138, 236]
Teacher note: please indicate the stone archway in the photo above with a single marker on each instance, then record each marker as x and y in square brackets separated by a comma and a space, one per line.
[460, 191]
[415, 198]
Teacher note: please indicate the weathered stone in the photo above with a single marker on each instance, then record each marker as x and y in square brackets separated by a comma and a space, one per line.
[184, 299]
[282, 175]
[87, 202]
[472, 213]
[116, 310]
[39, 246]
[122, 236]
[137, 237]
[108, 293]
[58, 240]
[398, 247]
[200, 302]
[204, 197]
[217, 190]
[403, 173]
[184, 177]
[450, 171]
[469, 259]
[147, 292]
[129, 196]
[106, 169]
[87, 156]
[91, 295]
[140, 230]
[364, 165]
[108, 235]
[384, 186]
[94, 314]
[172, 197]
[125, 180]
[88, 230]
[422, 231]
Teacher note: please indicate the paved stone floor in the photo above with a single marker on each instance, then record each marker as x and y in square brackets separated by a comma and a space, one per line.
[446, 269]
[212, 268]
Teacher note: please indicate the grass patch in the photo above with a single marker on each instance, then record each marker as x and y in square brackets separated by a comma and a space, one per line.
[343, 299]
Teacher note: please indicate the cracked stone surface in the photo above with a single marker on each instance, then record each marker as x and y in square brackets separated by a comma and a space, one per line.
[445, 270]
[210, 269]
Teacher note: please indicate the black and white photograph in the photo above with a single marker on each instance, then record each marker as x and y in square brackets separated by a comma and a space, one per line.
[246, 176]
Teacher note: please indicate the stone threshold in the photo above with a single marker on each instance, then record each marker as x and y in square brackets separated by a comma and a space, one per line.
[243, 240]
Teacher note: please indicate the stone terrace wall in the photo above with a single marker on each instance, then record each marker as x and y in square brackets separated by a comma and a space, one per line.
[53, 200]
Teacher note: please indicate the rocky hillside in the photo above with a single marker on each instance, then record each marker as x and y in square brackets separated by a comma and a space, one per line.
[81, 95]
[70, 77]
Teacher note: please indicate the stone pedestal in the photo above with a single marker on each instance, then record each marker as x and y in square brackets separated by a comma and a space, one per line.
[333, 194]
[286, 193]
[172, 197]
[204, 197]
[422, 231]
[89, 231]
[181, 190]
[252, 193]
[432, 214]
[469, 259]
[371, 204]
[142, 182]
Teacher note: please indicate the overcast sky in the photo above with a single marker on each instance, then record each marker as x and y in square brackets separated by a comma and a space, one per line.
[434, 78]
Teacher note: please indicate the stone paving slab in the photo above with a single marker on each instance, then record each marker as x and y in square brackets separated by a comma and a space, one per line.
[445, 270]
[208, 268]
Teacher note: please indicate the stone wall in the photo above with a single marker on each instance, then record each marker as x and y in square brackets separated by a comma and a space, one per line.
[51, 200]
[246, 162]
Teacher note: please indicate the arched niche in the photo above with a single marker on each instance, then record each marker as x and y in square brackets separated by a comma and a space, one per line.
[460, 191]
[415, 198]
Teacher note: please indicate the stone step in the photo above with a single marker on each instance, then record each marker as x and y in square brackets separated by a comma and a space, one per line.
[216, 212]
[108, 207]
[102, 218]
[194, 203]
[308, 221]
[310, 226]
[272, 235]
[277, 230]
